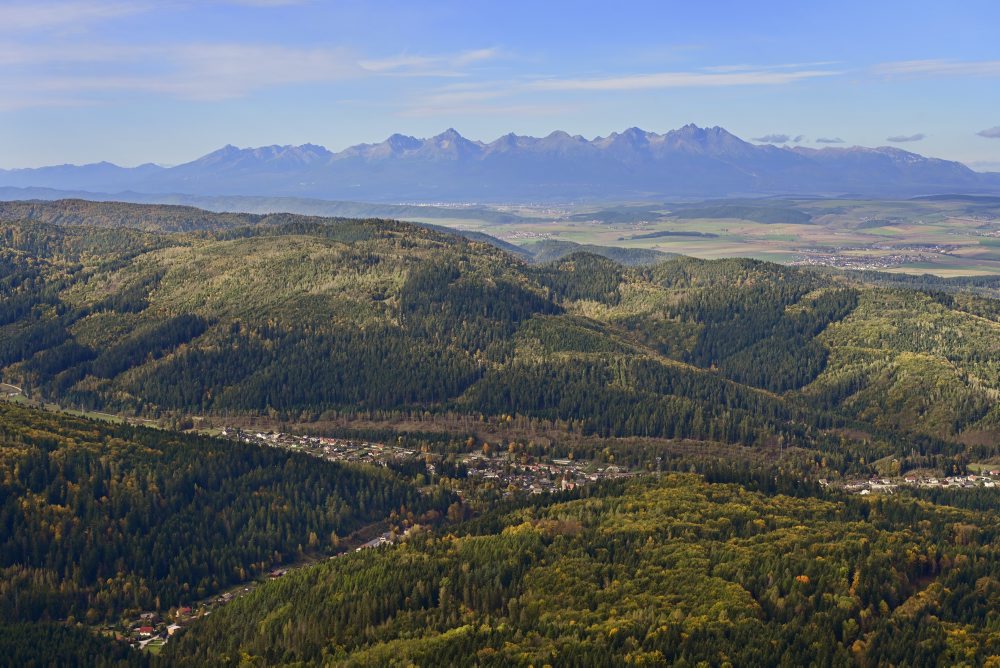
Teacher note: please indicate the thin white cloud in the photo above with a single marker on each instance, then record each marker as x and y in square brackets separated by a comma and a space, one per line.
[195, 71]
[266, 3]
[902, 139]
[199, 71]
[933, 68]
[19, 17]
[445, 98]
[27, 100]
[773, 139]
[779, 139]
[28, 55]
[476, 56]
[219, 71]
[472, 96]
[502, 110]
[990, 133]
[680, 80]
[435, 65]
[725, 69]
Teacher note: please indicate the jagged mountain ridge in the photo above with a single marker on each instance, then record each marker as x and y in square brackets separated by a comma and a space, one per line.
[687, 162]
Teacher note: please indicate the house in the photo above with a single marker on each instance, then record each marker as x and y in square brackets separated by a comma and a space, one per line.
[146, 631]
[172, 629]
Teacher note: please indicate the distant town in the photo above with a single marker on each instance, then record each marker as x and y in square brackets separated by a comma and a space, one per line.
[861, 257]
[503, 472]
[876, 485]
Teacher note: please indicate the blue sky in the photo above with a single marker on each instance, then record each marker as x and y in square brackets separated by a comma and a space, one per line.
[168, 80]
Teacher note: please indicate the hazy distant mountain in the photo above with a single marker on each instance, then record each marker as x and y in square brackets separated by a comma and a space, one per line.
[96, 176]
[688, 162]
[276, 204]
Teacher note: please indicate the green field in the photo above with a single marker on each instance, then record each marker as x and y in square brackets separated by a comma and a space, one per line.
[947, 237]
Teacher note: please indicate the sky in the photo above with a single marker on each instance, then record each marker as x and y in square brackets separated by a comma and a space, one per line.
[165, 81]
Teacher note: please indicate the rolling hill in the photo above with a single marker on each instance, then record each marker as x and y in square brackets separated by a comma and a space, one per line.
[100, 519]
[302, 318]
[739, 387]
[674, 571]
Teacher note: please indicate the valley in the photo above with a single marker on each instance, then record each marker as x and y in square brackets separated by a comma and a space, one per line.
[307, 320]
[942, 236]
[503, 335]
[694, 451]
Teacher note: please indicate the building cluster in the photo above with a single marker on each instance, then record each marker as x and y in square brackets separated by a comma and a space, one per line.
[332, 449]
[151, 630]
[844, 257]
[862, 262]
[519, 235]
[986, 479]
[503, 472]
[539, 477]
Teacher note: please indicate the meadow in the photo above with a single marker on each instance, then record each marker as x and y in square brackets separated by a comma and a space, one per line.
[946, 236]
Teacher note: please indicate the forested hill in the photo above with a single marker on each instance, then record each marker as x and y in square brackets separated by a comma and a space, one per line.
[764, 378]
[315, 318]
[675, 571]
[99, 518]
[175, 218]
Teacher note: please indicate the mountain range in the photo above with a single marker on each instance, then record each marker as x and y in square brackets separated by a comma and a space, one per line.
[688, 162]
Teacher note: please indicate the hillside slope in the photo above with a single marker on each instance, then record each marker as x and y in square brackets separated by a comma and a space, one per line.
[311, 318]
[99, 518]
[176, 218]
[765, 379]
[675, 571]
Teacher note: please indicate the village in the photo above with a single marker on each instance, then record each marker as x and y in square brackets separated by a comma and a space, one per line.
[507, 474]
[501, 472]
[986, 479]
[331, 449]
[152, 630]
[514, 476]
